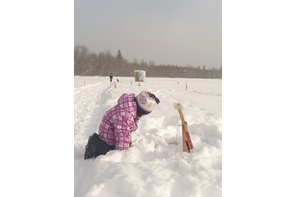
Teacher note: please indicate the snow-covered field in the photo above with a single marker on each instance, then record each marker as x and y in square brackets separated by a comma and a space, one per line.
[156, 165]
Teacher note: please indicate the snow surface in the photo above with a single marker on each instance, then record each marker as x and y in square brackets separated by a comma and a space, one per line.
[155, 165]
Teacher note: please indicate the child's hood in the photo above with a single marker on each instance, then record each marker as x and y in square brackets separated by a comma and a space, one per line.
[126, 102]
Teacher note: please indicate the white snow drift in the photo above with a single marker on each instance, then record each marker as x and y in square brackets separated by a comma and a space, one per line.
[155, 165]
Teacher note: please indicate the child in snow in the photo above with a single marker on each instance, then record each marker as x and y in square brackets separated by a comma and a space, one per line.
[119, 122]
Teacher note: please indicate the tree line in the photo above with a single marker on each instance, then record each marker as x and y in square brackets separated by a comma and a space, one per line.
[87, 63]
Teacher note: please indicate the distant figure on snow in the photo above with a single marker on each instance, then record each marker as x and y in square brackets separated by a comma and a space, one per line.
[119, 122]
[111, 77]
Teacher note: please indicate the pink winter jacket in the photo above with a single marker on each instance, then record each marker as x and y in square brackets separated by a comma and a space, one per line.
[119, 122]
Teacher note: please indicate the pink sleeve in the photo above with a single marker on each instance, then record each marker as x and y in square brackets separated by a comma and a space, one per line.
[122, 132]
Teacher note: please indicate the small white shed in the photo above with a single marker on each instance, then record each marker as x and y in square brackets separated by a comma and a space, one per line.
[139, 75]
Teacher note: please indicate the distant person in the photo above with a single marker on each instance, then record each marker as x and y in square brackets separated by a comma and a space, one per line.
[111, 77]
[119, 122]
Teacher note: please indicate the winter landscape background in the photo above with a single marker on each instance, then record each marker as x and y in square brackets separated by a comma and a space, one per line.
[155, 165]
[37, 107]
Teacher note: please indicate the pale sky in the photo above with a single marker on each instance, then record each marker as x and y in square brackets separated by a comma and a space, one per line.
[163, 31]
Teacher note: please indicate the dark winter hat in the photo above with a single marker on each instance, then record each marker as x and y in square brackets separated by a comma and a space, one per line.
[147, 101]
